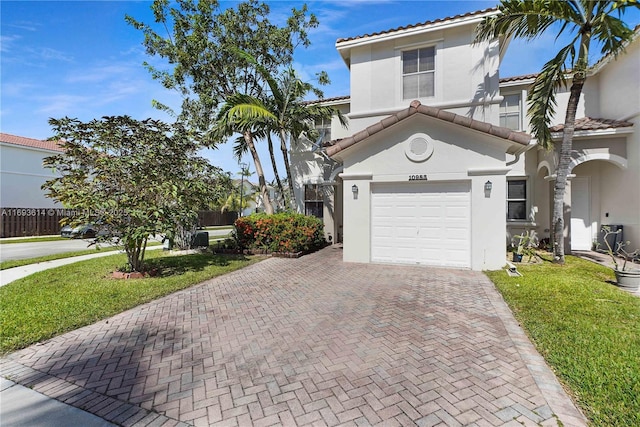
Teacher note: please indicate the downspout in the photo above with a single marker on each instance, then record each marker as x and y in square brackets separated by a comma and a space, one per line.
[521, 151]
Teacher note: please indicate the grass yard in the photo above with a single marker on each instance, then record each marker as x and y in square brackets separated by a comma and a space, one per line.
[62, 299]
[34, 239]
[586, 329]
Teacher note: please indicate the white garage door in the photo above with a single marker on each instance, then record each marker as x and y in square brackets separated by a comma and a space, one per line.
[421, 223]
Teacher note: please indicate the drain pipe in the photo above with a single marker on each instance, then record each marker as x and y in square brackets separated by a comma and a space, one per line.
[521, 151]
[512, 270]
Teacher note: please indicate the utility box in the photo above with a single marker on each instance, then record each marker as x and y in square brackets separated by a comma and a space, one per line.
[201, 239]
[613, 239]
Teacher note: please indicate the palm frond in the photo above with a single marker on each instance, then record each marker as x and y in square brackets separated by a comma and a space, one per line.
[541, 98]
[526, 19]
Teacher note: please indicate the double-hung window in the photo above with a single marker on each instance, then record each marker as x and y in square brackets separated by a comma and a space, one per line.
[510, 112]
[313, 205]
[418, 73]
[517, 200]
[323, 126]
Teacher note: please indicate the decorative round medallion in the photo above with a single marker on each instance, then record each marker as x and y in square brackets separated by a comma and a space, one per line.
[418, 148]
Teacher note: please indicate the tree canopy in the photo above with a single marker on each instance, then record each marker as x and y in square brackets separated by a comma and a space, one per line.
[136, 178]
[202, 47]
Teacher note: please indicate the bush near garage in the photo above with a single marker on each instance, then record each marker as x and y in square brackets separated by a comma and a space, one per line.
[280, 233]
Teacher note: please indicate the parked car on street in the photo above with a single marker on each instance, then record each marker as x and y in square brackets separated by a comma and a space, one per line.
[85, 231]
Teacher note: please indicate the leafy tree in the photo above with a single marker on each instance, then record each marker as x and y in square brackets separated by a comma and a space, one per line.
[207, 71]
[136, 178]
[587, 21]
[239, 196]
[287, 114]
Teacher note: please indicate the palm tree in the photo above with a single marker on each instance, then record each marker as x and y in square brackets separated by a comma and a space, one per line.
[293, 117]
[245, 114]
[587, 21]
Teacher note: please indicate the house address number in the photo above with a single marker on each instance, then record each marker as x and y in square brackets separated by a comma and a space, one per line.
[418, 178]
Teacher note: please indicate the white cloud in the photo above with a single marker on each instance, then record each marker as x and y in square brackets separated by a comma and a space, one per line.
[6, 42]
[60, 105]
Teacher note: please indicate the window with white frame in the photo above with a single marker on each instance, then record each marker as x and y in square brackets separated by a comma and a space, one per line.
[510, 112]
[313, 204]
[517, 199]
[418, 73]
[323, 126]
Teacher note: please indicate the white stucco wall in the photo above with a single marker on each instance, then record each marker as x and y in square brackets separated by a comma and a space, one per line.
[22, 175]
[466, 76]
[459, 155]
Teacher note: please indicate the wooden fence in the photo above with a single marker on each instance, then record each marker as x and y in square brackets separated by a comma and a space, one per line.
[18, 222]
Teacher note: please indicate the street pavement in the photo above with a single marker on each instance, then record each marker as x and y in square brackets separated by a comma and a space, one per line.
[308, 341]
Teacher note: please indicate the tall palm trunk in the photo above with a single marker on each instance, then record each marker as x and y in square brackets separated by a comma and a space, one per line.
[264, 191]
[274, 165]
[564, 160]
[287, 166]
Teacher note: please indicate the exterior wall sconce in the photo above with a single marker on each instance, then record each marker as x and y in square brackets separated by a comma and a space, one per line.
[354, 190]
[487, 188]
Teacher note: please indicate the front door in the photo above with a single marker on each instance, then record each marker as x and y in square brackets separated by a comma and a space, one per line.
[581, 233]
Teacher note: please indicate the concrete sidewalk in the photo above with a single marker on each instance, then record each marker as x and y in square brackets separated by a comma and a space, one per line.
[22, 407]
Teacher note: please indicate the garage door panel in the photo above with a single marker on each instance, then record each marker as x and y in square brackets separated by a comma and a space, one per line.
[421, 224]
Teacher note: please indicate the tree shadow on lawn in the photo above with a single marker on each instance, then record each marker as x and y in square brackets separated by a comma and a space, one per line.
[177, 265]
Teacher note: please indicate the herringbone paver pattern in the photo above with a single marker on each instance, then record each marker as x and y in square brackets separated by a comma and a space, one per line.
[311, 341]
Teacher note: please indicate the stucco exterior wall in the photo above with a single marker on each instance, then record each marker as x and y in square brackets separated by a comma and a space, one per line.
[22, 175]
[466, 76]
[458, 155]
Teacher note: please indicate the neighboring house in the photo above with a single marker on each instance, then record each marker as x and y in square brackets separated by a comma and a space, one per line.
[22, 173]
[434, 168]
[255, 204]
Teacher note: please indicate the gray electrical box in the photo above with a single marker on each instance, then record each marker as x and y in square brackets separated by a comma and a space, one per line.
[200, 239]
[613, 239]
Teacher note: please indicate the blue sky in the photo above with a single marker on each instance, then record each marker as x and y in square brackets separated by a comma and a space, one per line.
[81, 59]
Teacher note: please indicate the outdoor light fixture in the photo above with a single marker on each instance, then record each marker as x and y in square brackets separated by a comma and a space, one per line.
[487, 186]
[354, 190]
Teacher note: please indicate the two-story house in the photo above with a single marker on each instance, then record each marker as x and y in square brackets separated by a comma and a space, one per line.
[435, 168]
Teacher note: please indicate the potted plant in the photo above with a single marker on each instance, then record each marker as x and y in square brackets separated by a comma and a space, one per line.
[627, 279]
[524, 245]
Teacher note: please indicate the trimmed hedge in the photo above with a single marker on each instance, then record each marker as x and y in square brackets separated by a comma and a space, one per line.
[282, 232]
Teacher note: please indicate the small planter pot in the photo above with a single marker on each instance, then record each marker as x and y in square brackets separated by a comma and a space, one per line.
[629, 280]
[517, 257]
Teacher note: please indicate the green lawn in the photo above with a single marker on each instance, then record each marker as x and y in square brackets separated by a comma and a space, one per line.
[62, 299]
[34, 239]
[586, 329]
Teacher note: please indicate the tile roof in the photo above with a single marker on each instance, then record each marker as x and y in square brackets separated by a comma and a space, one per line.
[30, 142]
[518, 78]
[588, 123]
[407, 27]
[416, 107]
[333, 99]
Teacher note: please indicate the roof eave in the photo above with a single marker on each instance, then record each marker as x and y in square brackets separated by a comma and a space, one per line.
[344, 47]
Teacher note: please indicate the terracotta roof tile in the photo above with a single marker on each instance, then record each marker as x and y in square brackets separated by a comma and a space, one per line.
[407, 27]
[518, 78]
[588, 123]
[417, 108]
[335, 98]
[30, 142]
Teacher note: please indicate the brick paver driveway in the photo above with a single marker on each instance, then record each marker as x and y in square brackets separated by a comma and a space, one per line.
[311, 341]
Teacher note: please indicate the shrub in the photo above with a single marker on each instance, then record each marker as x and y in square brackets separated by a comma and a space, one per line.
[282, 232]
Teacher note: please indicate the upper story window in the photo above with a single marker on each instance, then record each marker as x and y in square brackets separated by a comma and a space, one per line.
[313, 204]
[510, 112]
[517, 199]
[418, 73]
[323, 127]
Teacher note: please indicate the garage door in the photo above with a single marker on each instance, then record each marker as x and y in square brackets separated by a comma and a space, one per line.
[421, 223]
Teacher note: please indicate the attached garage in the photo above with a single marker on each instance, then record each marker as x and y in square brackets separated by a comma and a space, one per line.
[426, 187]
[421, 223]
